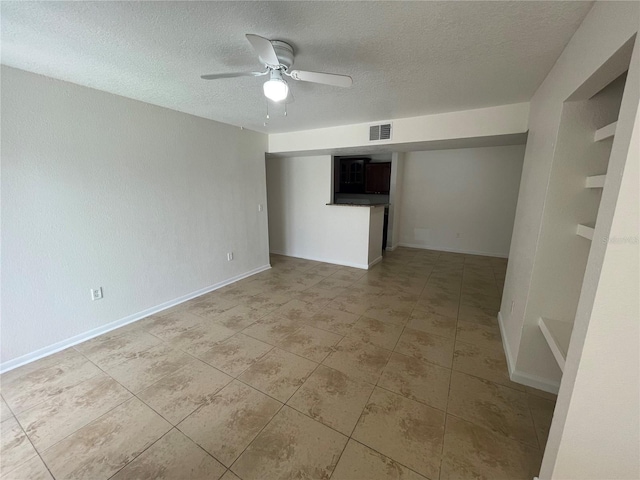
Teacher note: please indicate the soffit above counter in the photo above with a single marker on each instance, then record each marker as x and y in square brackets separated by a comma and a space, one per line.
[491, 126]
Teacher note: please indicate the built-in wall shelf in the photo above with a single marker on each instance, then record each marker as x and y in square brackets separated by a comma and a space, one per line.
[596, 181]
[557, 334]
[585, 231]
[605, 132]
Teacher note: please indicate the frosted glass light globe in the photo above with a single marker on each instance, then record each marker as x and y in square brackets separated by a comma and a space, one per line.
[276, 89]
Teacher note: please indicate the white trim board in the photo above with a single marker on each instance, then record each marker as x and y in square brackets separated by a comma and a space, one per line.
[393, 247]
[377, 260]
[453, 250]
[558, 336]
[362, 266]
[533, 381]
[82, 337]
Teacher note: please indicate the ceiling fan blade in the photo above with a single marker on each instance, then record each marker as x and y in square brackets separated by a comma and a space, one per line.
[215, 76]
[264, 49]
[325, 78]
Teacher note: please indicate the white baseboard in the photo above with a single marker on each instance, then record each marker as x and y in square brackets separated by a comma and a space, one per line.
[363, 266]
[505, 345]
[391, 248]
[453, 250]
[527, 379]
[534, 381]
[377, 260]
[69, 342]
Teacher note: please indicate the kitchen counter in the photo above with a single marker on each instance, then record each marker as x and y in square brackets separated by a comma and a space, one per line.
[359, 232]
[372, 205]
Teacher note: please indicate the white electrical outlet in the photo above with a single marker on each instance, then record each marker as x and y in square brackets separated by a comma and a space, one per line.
[96, 293]
[259, 207]
[230, 256]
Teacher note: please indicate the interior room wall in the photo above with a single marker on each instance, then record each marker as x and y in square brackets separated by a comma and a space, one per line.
[301, 224]
[395, 200]
[562, 255]
[607, 27]
[592, 435]
[103, 191]
[461, 200]
[595, 431]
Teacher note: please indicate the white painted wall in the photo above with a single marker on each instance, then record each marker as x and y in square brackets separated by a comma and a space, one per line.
[595, 432]
[562, 255]
[100, 190]
[395, 200]
[376, 225]
[481, 122]
[301, 224]
[461, 200]
[607, 27]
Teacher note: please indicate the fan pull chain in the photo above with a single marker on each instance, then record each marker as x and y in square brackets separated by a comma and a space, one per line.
[285, 109]
[265, 123]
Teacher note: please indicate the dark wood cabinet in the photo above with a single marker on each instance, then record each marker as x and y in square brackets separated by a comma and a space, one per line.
[352, 175]
[361, 175]
[377, 177]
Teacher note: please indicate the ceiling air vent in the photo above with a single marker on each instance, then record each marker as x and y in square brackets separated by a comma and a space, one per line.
[380, 132]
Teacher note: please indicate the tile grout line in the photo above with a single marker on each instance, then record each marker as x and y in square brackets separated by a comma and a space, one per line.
[133, 395]
[158, 413]
[109, 411]
[350, 437]
[80, 383]
[28, 440]
[369, 400]
[444, 426]
[144, 450]
[292, 296]
[286, 403]
[527, 394]
[271, 419]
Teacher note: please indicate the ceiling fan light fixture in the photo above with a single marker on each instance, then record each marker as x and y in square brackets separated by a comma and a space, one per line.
[276, 89]
[277, 57]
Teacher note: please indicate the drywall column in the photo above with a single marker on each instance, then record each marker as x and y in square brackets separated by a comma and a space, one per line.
[395, 200]
[376, 225]
[595, 432]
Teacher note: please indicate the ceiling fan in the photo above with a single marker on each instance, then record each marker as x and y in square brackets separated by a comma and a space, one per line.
[277, 57]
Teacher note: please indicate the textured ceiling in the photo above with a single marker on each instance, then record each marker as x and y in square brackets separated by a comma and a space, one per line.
[406, 58]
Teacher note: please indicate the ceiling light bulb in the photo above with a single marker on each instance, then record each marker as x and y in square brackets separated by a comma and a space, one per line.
[276, 89]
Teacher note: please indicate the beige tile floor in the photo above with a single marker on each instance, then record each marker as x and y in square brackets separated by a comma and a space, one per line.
[305, 371]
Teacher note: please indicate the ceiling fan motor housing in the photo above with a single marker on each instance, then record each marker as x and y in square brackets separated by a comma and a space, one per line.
[284, 51]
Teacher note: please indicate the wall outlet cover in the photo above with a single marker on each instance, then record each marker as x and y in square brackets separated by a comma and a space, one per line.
[96, 293]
